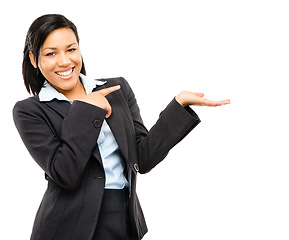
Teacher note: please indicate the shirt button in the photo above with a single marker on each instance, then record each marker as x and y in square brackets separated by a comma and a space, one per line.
[97, 123]
[136, 168]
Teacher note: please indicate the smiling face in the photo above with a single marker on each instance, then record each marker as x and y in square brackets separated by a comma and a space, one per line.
[60, 60]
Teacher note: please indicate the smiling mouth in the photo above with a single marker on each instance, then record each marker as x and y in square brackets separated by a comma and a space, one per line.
[66, 73]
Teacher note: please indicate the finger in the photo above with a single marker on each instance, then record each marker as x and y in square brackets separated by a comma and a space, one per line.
[210, 103]
[223, 102]
[109, 90]
[109, 110]
[227, 101]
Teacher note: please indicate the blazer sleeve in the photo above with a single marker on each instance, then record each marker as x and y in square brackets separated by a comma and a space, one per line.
[62, 156]
[174, 123]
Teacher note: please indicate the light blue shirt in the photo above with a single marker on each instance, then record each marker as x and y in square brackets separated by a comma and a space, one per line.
[112, 161]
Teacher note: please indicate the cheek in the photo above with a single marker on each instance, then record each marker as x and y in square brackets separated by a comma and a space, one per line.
[77, 59]
[45, 66]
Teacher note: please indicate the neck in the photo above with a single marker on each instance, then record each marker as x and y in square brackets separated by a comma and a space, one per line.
[75, 93]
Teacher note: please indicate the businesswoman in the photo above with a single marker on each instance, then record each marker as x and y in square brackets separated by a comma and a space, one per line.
[88, 137]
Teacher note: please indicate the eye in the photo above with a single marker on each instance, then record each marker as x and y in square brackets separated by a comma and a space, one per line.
[71, 49]
[50, 54]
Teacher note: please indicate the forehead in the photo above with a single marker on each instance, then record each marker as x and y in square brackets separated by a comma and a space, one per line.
[60, 38]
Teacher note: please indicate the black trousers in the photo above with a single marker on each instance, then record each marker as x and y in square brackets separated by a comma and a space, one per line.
[113, 222]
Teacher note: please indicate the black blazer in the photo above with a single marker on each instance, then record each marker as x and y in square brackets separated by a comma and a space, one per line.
[61, 137]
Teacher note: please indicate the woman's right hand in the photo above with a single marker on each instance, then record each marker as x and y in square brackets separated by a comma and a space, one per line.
[98, 99]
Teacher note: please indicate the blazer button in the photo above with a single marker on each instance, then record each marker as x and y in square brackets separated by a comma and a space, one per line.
[136, 168]
[97, 123]
[98, 177]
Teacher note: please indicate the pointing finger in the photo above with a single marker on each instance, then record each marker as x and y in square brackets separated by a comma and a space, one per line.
[109, 90]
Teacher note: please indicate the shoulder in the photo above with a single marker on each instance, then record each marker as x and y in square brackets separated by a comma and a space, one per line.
[115, 81]
[28, 102]
[29, 106]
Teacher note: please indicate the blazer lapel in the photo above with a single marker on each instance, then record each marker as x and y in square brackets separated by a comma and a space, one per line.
[117, 124]
[116, 121]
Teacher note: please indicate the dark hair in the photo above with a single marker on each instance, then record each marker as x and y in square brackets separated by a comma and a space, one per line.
[36, 35]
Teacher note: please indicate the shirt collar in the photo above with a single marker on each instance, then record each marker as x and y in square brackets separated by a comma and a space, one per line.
[48, 93]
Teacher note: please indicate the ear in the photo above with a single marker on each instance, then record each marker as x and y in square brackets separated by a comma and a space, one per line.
[32, 59]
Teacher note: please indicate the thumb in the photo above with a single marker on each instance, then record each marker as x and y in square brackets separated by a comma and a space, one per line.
[199, 94]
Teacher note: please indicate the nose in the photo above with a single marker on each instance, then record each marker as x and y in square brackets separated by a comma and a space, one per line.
[63, 60]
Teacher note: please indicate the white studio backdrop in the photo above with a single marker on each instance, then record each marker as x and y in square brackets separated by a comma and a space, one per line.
[228, 179]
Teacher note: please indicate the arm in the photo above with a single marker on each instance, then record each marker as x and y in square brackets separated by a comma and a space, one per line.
[62, 154]
[174, 123]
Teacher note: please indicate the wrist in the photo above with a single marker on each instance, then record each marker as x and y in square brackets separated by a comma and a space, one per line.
[179, 98]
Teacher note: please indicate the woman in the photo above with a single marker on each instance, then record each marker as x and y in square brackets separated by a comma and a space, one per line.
[88, 137]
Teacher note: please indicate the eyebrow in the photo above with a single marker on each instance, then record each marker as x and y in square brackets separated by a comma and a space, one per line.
[53, 48]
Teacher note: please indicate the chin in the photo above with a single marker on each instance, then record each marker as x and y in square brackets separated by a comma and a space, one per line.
[64, 85]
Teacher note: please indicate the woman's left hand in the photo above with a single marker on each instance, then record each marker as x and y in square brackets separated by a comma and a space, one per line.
[186, 98]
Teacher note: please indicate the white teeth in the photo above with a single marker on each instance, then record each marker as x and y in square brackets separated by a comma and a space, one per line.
[65, 73]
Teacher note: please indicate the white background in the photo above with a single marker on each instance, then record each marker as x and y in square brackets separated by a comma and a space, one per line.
[229, 178]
